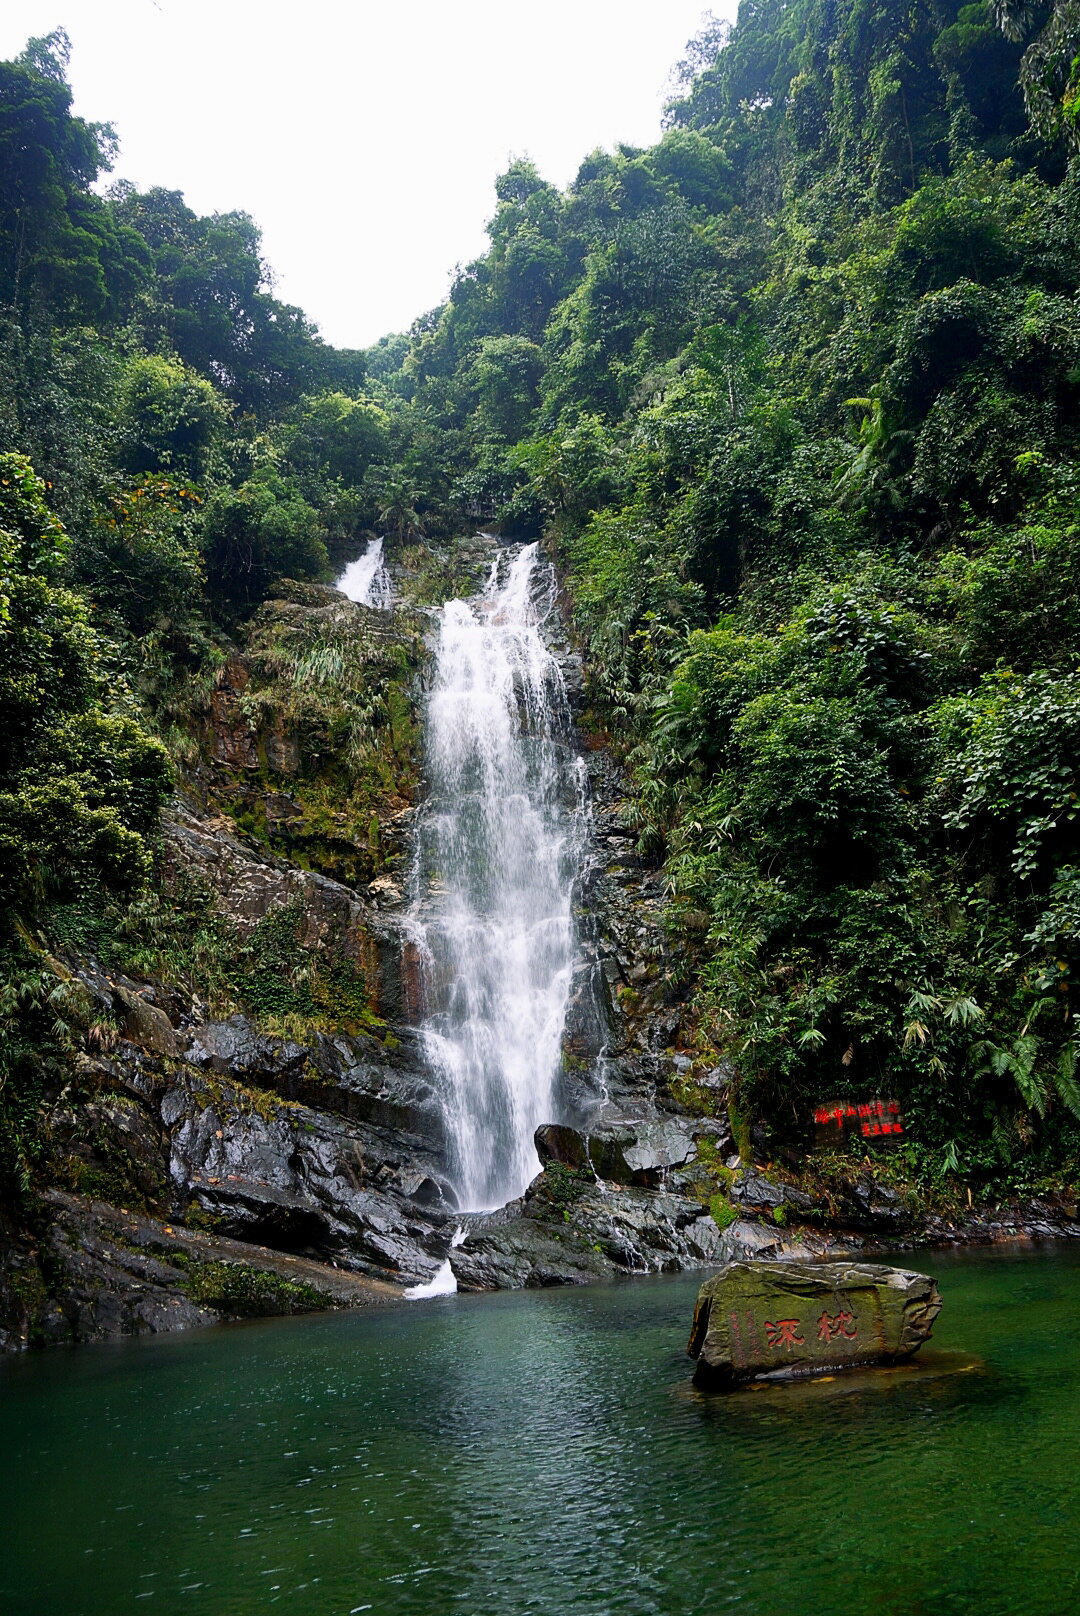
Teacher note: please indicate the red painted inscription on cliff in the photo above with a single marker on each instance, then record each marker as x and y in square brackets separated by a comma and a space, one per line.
[842, 1121]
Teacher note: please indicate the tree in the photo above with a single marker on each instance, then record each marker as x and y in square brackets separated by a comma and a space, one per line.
[504, 378]
[1050, 67]
[170, 418]
[333, 435]
[396, 498]
[81, 783]
[140, 557]
[263, 530]
[63, 255]
[48, 56]
[696, 167]
[213, 304]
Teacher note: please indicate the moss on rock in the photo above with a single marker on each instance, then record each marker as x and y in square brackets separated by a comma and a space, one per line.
[245, 1292]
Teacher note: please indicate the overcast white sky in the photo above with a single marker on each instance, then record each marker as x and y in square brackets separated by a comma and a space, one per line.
[363, 137]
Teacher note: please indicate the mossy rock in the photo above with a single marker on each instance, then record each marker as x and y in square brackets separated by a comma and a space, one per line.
[244, 1292]
[776, 1320]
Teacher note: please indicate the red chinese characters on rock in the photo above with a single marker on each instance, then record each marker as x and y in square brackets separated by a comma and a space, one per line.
[872, 1119]
[784, 1333]
[831, 1326]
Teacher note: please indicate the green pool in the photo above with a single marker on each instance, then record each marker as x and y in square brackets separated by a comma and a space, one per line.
[545, 1453]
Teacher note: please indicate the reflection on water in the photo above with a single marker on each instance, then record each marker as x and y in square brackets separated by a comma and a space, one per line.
[544, 1452]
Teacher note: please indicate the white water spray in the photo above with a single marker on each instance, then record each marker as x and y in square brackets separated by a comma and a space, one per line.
[444, 1281]
[366, 579]
[498, 850]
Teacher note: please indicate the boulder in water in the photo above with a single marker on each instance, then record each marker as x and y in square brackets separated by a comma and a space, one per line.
[777, 1320]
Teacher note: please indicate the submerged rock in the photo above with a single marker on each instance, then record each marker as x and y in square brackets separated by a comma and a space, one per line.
[774, 1320]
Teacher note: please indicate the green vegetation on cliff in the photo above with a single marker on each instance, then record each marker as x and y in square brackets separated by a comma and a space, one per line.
[793, 396]
[173, 441]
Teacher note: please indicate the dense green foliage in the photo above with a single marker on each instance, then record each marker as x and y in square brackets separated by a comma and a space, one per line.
[81, 787]
[174, 438]
[793, 396]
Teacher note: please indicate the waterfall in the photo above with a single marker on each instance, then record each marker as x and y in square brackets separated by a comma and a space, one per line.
[366, 580]
[498, 850]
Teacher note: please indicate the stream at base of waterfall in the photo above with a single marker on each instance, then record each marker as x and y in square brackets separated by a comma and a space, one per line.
[498, 849]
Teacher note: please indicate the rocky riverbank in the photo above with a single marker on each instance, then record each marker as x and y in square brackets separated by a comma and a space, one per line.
[574, 1224]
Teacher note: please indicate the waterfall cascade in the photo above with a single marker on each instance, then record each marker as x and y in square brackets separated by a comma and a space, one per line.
[366, 579]
[499, 844]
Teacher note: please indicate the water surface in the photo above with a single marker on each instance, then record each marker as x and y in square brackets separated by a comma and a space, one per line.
[544, 1453]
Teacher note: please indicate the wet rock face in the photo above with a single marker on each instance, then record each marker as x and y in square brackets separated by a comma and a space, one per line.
[144, 1023]
[350, 1075]
[605, 1232]
[637, 1153]
[570, 1228]
[608, 1202]
[331, 1147]
[250, 882]
[307, 1182]
[232, 737]
[623, 898]
[775, 1320]
[625, 1017]
[753, 1190]
[119, 1272]
[328, 1151]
